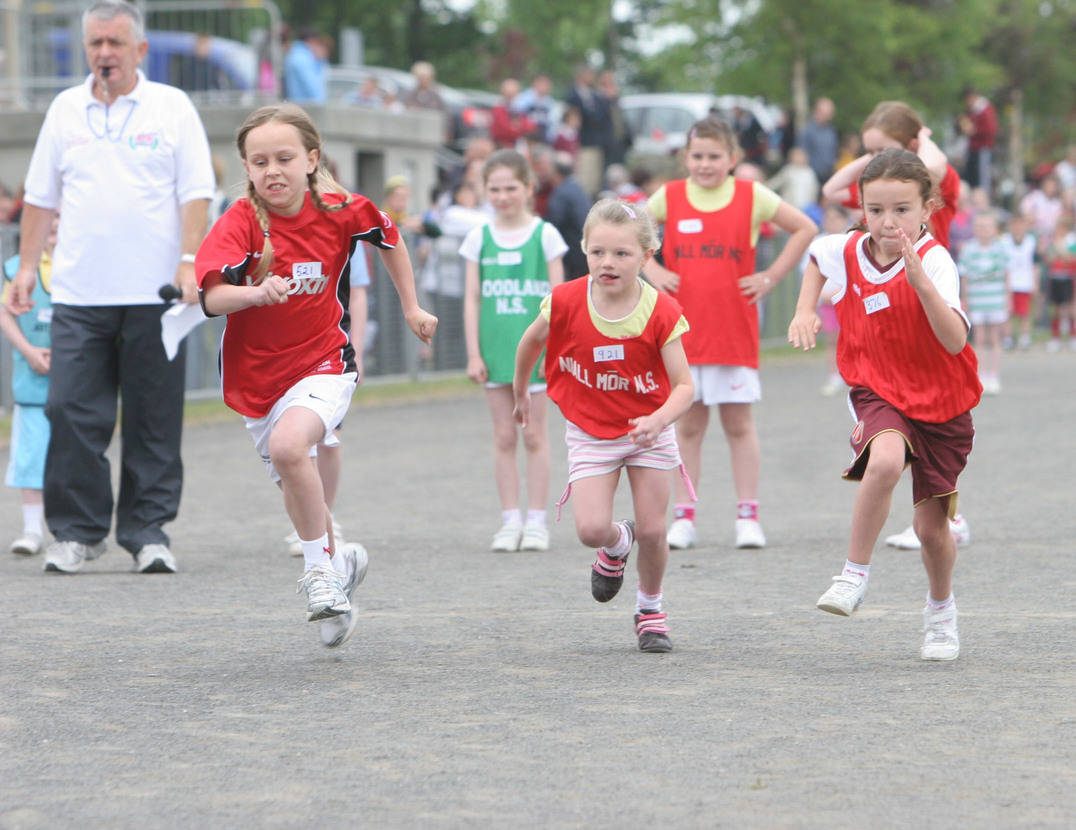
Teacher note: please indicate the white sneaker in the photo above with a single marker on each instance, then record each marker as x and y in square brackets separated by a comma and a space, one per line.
[335, 631]
[1024, 342]
[155, 559]
[324, 593]
[992, 386]
[941, 640]
[29, 544]
[681, 534]
[507, 539]
[1053, 345]
[844, 595]
[295, 547]
[749, 534]
[535, 537]
[69, 557]
[905, 540]
[958, 526]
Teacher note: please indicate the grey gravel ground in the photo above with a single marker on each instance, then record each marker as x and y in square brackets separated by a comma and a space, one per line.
[486, 690]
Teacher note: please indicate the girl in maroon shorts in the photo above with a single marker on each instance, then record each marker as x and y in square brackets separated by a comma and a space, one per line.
[903, 350]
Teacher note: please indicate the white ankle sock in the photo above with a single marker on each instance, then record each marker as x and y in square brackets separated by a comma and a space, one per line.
[33, 516]
[316, 552]
[535, 518]
[512, 517]
[647, 602]
[934, 605]
[623, 543]
[851, 567]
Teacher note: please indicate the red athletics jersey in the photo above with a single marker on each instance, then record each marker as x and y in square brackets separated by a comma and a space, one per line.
[887, 345]
[710, 251]
[600, 382]
[267, 349]
[940, 219]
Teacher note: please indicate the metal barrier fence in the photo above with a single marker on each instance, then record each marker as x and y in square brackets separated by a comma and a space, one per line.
[391, 348]
[220, 51]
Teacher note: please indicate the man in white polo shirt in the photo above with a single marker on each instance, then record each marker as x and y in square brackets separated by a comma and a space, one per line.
[126, 163]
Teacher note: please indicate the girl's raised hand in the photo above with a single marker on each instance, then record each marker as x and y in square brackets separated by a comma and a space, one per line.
[802, 330]
[422, 323]
[271, 290]
[913, 265]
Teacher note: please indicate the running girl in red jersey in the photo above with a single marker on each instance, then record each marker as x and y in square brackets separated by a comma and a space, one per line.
[712, 222]
[903, 348]
[616, 367]
[278, 264]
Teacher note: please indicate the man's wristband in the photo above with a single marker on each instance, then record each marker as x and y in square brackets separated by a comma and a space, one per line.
[187, 258]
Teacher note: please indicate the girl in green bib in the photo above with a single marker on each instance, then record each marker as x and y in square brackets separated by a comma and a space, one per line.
[512, 263]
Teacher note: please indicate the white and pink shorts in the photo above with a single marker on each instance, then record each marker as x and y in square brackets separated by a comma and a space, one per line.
[590, 456]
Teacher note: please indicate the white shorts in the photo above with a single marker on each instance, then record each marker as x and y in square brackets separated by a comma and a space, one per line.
[533, 388]
[726, 384]
[981, 318]
[327, 396]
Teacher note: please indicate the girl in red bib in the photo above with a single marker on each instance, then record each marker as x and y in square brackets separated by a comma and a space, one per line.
[903, 349]
[278, 264]
[615, 366]
[712, 222]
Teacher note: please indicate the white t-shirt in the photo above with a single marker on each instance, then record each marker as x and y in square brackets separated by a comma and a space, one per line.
[828, 254]
[118, 176]
[1023, 275]
[553, 244]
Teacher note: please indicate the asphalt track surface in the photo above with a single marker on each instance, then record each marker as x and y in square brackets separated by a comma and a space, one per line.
[485, 690]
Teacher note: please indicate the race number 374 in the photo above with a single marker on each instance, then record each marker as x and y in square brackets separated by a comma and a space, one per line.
[606, 353]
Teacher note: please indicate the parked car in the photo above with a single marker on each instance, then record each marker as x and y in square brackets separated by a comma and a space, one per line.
[660, 121]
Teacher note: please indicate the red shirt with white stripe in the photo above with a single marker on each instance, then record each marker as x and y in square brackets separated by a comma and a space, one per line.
[886, 343]
[600, 381]
[267, 349]
[710, 251]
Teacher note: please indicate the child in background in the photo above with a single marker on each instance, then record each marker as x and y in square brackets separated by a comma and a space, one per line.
[712, 223]
[1020, 250]
[903, 349]
[617, 370]
[983, 267]
[30, 334]
[834, 220]
[512, 263]
[276, 263]
[1059, 257]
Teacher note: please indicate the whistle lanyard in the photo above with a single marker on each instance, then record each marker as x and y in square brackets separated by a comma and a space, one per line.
[106, 132]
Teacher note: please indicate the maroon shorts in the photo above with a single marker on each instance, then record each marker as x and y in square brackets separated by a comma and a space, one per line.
[937, 453]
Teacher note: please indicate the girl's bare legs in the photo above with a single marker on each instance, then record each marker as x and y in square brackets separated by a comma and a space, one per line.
[738, 422]
[690, 431]
[650, 497]
[289, 448]
[505, 438]
[592, 507]
[536, 443]
[875, 494]
[939, 548]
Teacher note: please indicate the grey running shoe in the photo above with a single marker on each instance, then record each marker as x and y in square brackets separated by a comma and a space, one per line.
[607, 572]
[68, 557]
[335, 631]
[155, 559]
[324, 593]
